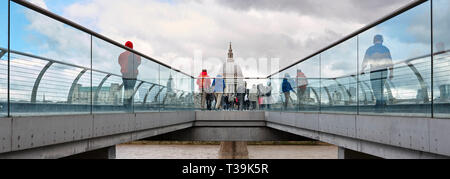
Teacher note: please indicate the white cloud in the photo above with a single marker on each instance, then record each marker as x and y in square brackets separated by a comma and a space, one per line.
[39, 3]
[56, 41]
[173, 32]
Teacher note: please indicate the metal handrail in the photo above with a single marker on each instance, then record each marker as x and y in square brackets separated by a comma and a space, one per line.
[354, 34]
[88, 31]
[50, 62]
[65, 63]
[407, 62]
[56, 61]
[410, 65]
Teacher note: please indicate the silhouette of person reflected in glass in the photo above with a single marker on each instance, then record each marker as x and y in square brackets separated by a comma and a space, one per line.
[129, 64]
[379, 61]
[302, 86]
[204, 84]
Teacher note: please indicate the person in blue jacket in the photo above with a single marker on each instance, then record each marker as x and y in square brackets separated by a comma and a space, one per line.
[286, 88]
[379, 61]
[219, 86]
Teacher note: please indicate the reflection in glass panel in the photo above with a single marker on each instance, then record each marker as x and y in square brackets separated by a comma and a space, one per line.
[80, 93]
[257, 91]
[173, 92]
[108, 93]
[287, 90]
[177, 92]
[202, 78]
[307, 85]
[165, 81]
[192, 93]
[145, 98]
[270, 94]
[338, 71]
[183, 91]
[395, 59]
[48, 60]
[37, 34]
[441, 64]
[3, 58]
[190, 96]
[276, 95]
[37, 82]
[116, 72]
[146, 93]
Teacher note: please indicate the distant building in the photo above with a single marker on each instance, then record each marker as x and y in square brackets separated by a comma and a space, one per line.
[111, 95]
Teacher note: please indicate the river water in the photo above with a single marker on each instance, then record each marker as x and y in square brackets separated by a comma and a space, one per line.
[151, 151]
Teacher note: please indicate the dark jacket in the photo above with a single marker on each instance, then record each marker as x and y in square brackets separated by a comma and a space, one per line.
[219, 85]
[286, 86]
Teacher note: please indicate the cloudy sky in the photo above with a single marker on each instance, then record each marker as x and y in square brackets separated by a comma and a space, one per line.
[176, 31]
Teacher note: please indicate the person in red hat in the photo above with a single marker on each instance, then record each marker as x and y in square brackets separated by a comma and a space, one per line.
[129, 64]
[204, 83]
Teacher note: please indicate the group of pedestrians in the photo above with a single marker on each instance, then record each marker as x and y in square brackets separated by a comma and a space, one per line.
[215, 96]
[261, 96]
[297, 86]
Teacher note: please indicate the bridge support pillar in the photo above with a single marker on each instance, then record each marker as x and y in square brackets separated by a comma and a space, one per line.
[233, 150]
[344, 153]
[104, 153]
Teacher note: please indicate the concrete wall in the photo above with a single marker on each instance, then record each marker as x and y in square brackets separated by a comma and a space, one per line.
[5, 134]
[230, 126]
[387, 137]
[219, 134]
[230, 119]
[60, 136]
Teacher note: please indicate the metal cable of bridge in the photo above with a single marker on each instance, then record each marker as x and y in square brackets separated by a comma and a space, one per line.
[2, 53]
[316, 94]
[370, 89]
[159, 92]
[329, 96]
[165, 98]
[74, 83]
[344, 90]
[423, 85]
[97, 91]
[38, 81]
[387, 86]
[362, 89]
[182, 94]
[137, 88]
[146, 94]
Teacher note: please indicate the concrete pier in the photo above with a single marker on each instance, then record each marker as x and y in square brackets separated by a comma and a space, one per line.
[233, 150]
